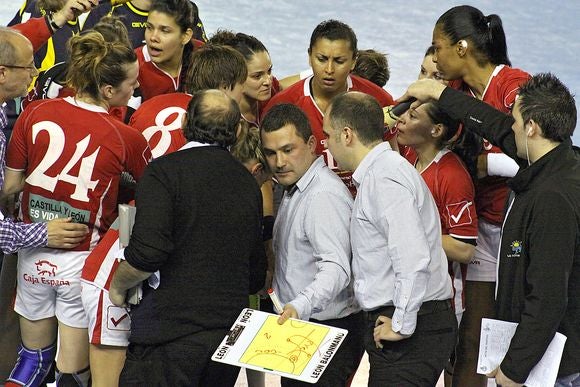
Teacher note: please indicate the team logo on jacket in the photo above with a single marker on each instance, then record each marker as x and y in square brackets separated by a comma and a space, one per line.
[516, 247]
[459, 214]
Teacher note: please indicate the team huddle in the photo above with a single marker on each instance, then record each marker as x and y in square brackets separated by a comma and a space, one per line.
[405, 222]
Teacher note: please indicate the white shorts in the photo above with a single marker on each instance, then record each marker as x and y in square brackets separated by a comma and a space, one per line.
[108, 324]
[482, 267]
[49, 285]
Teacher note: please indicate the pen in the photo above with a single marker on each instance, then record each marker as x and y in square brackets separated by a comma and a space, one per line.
[275, 301]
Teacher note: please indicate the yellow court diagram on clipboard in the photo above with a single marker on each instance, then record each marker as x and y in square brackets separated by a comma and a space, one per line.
[287, 350]
[297, 349]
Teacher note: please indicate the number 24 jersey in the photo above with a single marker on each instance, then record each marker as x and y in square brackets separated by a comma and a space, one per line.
[72, 155]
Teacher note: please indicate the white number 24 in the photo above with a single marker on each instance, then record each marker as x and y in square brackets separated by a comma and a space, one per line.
[82, 182]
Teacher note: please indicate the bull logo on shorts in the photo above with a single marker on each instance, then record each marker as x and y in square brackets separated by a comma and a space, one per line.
[44, 267]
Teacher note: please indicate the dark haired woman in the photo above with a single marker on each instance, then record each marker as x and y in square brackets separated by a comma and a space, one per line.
[471, 52]
[164, 58]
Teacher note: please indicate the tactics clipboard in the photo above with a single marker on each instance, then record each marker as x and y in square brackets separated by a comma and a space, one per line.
[297, 349]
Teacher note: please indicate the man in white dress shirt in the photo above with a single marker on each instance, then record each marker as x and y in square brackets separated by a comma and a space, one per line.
[399, 267]
[311, 238]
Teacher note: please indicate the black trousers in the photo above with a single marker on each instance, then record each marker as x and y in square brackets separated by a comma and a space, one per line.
[183, 362]
[346, 360]
[419, 359]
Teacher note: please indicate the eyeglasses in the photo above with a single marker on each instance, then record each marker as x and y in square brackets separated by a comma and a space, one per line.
[29, 68]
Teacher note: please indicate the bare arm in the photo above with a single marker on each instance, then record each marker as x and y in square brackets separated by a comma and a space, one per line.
[126, 277]
[457, 250]
[289, 81]
[71, 10]
[13, 182]
[425, 90]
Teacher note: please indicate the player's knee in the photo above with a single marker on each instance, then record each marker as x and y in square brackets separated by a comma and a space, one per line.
[32, 366]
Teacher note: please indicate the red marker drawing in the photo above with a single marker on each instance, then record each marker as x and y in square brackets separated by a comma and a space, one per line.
[275, 301]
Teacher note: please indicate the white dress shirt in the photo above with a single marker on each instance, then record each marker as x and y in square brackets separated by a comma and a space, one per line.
[312, 246]
[398, 258]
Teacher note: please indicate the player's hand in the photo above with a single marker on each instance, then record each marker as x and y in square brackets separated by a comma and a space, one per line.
[118, 298]
[425, 90]
[64, 234]
[72, 9]
[288, 312]
[501, 379]
[384, 331]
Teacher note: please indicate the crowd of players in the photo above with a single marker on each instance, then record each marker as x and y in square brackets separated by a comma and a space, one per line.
[136, 72]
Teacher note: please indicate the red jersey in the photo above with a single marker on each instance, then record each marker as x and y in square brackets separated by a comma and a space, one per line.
[300, 94]
[73, 161]
[501, 91]
[453, 191]
[159, 120]
[153, 81]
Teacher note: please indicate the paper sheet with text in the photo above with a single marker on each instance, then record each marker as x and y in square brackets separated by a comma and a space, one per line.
[297, 349]
[496, 336]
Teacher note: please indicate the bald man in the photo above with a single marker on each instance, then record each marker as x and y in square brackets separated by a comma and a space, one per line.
[198, 223]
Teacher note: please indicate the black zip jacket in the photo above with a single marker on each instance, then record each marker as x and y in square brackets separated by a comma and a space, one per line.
[539, 260]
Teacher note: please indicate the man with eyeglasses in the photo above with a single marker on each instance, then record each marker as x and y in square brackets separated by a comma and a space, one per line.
[16, 73]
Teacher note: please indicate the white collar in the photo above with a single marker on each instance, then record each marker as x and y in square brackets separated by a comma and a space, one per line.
[195, 144]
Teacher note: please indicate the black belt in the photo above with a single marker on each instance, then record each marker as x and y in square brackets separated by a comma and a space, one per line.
[427, 307]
